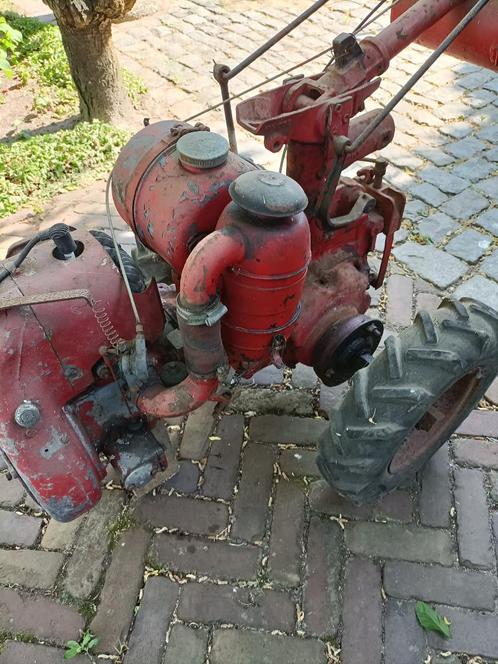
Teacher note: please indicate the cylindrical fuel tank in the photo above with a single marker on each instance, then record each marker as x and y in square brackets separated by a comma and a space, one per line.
[263, 291]
[171, 190]
[477, 44]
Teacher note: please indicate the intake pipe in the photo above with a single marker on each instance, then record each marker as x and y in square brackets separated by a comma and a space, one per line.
[199, 314]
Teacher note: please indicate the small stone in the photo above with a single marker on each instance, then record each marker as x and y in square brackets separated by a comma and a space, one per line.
[186, 645]
[11, 491]
[474, 537]
[243, 647]
[33, 569]
[389, 540]
[437, 226]
[465, 205]
[195, 439]
[261, 609]
[38, 616]
[443, 585]
[465, 148]
[149, 631]
[404, 638]
[490, 265]
[198, 517]
[431, 264]
[443, 180]
[479, 288]
[469, 245]
[429, 194]
[489, 221]
[186, 479]
[117, 599]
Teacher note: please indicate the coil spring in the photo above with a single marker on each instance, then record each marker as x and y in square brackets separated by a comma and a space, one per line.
[109, 331]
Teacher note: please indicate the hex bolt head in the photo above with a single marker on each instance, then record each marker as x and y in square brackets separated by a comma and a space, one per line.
[27, 415]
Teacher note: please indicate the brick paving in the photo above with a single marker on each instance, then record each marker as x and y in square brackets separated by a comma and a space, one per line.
[245, 556]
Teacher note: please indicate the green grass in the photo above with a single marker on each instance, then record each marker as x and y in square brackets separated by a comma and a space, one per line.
[40, 58]
[36, 168]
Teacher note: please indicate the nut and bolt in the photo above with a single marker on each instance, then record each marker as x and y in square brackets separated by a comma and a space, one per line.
[27, 415]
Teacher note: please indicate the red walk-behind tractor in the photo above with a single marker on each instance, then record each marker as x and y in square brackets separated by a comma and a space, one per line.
[251, 268]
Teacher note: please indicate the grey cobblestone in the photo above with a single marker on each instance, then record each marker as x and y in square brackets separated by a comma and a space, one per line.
[469, 245]
[186, 645]
[434, 265]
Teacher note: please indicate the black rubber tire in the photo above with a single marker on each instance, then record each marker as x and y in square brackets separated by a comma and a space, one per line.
[133, 272]
[389, 398]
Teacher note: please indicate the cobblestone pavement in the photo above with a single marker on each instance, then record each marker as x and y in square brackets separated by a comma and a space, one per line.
[245, 556]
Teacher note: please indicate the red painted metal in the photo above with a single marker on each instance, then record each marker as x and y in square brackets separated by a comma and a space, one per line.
[478, 43]
[168, 206]
[48, 353]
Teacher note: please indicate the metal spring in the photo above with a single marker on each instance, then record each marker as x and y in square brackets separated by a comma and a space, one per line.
[106, 325]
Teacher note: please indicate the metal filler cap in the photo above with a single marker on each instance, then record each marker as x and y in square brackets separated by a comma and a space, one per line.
[268, 194]
[202, 149]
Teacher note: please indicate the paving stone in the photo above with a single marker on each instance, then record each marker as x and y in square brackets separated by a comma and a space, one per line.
[476, 452]
[465, 205]
[489, 134]
[38, 616]
[396, 506]
[493, 479]
[475, 80]
[415, 209]
[273, 429]
[474, 170]
[252, 607]
[471, 632]
[435, 497]
[304, 376]
[251, 502]
[362, 613]
[222, 467]
[330, 397]
[442, 585]
[474, 537]
[85, 565]
[481, 289]
[489, 187]
[264, 401]
[33, 569]
[399, 291]
[298, 463]
[148, 637]
[489, 221]
[443, 180]
[268, 376]
[195, 441]
[404, 638]
[469, 245]
[436, 156]
[434, 265]
[118, 598]
[60, 536]
[190, 515]
[427, 302]
[466, 148]
[243, 647]
[429, 194]
[11, 492]
[492, 392]
[389, 540]
[15, 652]
[286, 533]
[186, 479]
[321, 596]
[219, 559]
[490, 266]
[186, 645]
[437, 226]
[18, 530]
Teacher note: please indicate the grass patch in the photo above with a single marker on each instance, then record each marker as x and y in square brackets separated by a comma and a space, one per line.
[125, 521]
[33, 169]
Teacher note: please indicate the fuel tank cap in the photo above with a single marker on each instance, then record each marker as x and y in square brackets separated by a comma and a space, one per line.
[268, 194]
[202, 149]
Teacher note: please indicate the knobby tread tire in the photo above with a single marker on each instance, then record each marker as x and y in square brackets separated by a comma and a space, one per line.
[389, 397]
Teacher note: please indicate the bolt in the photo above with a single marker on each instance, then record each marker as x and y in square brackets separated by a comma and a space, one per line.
[27, 415]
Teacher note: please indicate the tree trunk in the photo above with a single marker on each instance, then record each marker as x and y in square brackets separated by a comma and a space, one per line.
[96, 73]
[86, 29]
